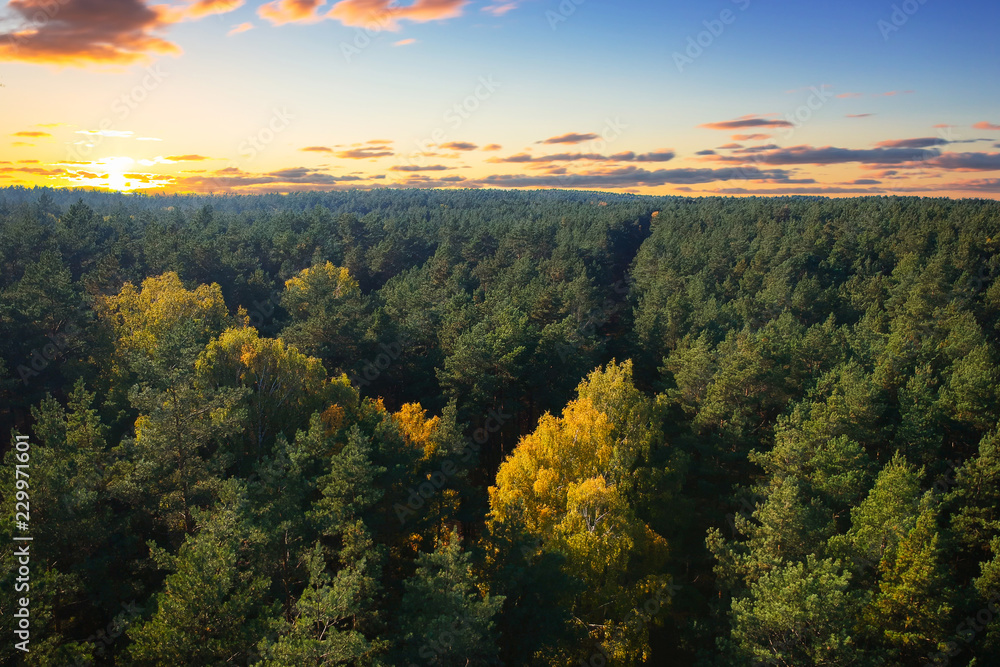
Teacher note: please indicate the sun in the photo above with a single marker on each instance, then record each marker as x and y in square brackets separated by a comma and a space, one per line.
[116, 167]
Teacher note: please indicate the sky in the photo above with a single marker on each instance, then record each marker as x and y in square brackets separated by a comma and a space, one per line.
[719, 97]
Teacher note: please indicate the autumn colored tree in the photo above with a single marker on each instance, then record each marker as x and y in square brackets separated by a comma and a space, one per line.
[282, 385]
[564, 484]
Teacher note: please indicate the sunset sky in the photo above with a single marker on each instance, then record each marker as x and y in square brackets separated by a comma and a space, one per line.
[659, 97]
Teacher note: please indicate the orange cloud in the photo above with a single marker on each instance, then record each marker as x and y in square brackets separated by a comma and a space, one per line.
[798, 155]
[237, 29]
[459, 146]
[571, 138]
[31, 134]
[660, 155]
[630, 176]
[201, 8]
[382, 15]
[968, 161]
[187, 158]
[405, 42]
[280, 12]
[83, 32]
[751, 137]
[366, 152]
[986, 126]
[37, 171]
[294, 179]
[493, 147]
[316, 149]
[982, 185]
[921, 142]
[412, 168]
[745, 122]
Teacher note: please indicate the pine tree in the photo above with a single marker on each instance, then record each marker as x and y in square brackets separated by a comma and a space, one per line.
[213, 608]
[329, 617]
[444, 619]
[910, 610]
[796, 614]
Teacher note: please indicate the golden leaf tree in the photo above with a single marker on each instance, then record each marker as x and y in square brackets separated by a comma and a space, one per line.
[568, 484]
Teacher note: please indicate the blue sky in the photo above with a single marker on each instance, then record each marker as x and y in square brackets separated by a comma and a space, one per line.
[244, 96]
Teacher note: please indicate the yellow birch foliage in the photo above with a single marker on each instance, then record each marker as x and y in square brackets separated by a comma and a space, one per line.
[285, 385]
[141, 318]
[562, 484]
[314, 284]
[417, 429]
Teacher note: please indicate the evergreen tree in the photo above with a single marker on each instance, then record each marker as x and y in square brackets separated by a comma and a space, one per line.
[444, 619]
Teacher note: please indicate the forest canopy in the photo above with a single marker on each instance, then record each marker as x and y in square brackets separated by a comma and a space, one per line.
[418, 427]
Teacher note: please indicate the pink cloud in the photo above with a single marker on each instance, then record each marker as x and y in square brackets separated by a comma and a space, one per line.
[280, 12]
[237, 29]
[385, 15]
[201, 8]
[746, 122]
[499, 8]
[88, 33]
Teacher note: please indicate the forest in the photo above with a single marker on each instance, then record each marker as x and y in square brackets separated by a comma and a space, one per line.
[485, 427]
